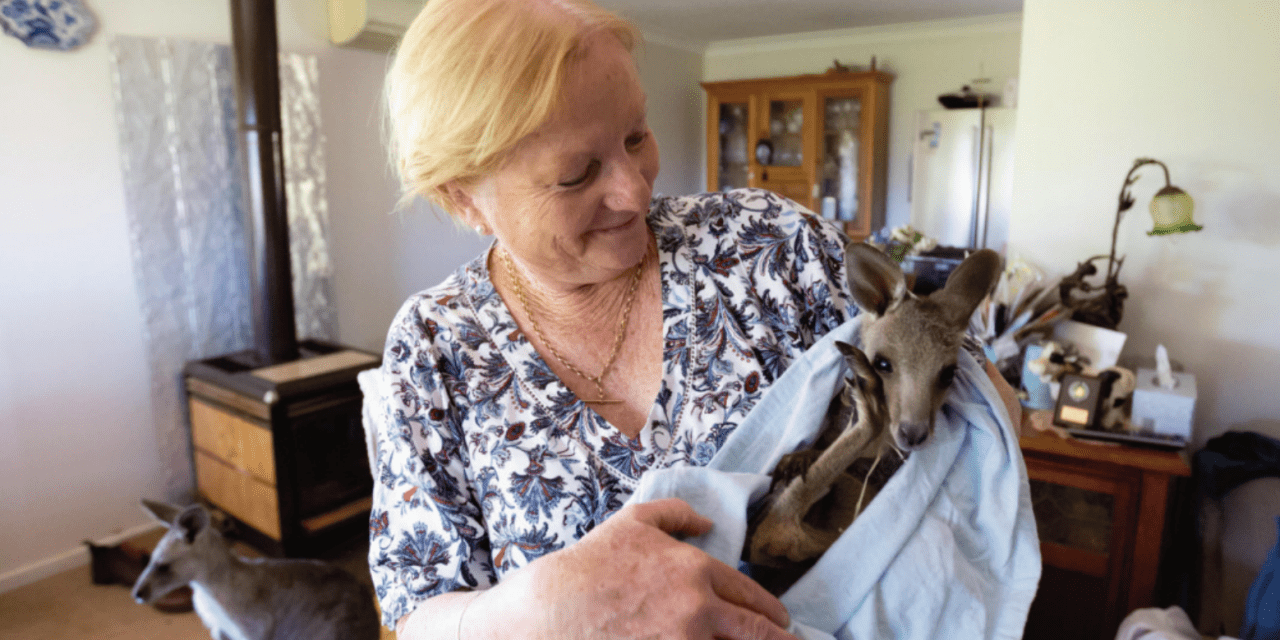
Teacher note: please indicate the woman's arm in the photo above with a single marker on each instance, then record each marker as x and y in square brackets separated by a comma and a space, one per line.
[629, 577]
[1007, 394]
[437, 617]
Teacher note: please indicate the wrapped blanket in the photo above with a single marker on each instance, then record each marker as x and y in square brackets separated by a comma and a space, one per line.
[948, 549]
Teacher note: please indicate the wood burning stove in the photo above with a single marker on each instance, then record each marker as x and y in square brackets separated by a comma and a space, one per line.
[281, 448]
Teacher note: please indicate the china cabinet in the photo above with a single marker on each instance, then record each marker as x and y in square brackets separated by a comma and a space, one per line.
[821, 140]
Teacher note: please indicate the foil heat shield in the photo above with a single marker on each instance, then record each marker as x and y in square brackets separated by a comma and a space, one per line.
[185, 202]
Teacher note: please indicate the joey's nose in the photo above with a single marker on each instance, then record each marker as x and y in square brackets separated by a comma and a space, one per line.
[141, 594]
[914, 435]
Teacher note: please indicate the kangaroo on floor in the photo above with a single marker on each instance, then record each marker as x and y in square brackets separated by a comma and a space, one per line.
[901, 374]
[252, 599]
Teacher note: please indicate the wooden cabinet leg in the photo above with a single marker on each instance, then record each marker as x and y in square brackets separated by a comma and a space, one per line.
[1147, 539]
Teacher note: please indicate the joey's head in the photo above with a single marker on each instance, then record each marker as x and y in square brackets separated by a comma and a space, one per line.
[182, 555]
[913, 342]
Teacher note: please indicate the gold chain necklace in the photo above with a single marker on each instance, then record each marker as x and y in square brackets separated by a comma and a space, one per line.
[617, 340]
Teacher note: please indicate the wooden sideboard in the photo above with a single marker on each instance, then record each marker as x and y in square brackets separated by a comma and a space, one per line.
[1101, 511]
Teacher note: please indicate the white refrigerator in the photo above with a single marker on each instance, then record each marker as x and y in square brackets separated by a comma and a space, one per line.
[961, 176]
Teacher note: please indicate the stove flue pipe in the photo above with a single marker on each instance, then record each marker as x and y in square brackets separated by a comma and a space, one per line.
[255, 56]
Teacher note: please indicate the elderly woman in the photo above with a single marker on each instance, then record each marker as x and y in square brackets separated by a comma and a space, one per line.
[605, 332]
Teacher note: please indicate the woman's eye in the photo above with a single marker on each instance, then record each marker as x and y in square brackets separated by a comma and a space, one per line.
[582, 179]
[635, 140]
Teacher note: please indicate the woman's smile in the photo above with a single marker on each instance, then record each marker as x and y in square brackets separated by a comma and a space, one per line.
[616, 227]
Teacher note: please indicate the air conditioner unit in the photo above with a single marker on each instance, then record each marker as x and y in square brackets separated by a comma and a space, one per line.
[376, 25]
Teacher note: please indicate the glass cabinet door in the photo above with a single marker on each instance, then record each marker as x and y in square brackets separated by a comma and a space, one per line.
[1073, 517]
[838, 168]
[734, 169]
[782, 145]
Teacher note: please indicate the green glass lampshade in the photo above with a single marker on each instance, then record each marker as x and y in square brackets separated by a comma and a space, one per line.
[1171, 209]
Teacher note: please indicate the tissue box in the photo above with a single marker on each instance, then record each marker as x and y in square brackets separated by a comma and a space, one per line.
[1164, 411]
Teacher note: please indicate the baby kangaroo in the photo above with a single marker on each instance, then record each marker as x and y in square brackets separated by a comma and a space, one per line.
[910, 347]
[240, 599]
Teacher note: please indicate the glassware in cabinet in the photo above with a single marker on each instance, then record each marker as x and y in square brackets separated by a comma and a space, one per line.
[841, 154]
[735, 165]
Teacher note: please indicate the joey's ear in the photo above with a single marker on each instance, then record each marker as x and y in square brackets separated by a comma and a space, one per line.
[875, 280]
[968, 285]
[846, 349]
[856, 358]
[192, 521]
[163, 513]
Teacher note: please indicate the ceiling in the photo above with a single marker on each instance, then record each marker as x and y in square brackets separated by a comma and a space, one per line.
[698, 22]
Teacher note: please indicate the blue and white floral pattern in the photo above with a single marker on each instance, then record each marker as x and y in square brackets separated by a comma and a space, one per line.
[488, 461]
[47, 24]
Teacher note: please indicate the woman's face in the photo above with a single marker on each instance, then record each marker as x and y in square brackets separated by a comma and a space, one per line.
[570, 201]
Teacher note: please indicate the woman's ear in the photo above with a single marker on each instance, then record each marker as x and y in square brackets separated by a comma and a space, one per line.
[465, 203]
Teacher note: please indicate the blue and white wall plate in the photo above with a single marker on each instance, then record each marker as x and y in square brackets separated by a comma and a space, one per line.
[47, 24]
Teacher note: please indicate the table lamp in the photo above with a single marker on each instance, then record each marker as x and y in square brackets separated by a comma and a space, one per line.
[1171, 210]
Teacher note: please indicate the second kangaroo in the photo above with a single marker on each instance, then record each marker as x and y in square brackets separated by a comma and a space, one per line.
[910, 346]
[239, 599]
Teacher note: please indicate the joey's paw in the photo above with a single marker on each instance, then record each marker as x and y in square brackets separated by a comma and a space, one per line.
[794, 465]
[788, 542]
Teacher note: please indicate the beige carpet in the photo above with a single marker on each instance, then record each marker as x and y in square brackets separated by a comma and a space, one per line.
[68, 606]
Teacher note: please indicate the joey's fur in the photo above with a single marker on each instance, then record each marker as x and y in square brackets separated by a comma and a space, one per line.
[241, 599]
[906, 363]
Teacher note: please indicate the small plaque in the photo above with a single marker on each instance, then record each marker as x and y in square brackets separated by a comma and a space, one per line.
[1079, 402]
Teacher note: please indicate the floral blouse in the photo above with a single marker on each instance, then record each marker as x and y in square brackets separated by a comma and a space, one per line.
[487, 460]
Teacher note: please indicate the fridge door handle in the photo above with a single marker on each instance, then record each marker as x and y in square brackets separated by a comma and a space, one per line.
[988, 142]
[911, 174]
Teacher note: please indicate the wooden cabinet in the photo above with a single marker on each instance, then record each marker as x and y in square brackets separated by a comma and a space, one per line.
[821, 140]
[1101, 514]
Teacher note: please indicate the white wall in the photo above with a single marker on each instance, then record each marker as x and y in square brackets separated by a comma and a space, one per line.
[670, 76]
[928, 59]
[1195, 84]
[77, 449]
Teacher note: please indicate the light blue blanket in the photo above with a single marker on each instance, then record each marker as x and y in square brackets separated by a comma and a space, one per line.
[948, 549]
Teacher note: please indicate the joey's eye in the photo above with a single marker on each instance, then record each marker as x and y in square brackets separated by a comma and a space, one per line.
[882, 365]
[162, 569]
[947, 376]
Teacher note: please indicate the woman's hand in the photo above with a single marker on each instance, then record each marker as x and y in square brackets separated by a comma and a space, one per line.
[630, 578]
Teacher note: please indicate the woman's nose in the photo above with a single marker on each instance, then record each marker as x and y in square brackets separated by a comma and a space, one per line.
[628, 188]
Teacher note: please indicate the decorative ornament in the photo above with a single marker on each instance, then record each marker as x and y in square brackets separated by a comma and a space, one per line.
[47, 24]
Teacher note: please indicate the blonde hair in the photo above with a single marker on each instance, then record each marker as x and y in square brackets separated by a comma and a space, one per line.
[472, 78]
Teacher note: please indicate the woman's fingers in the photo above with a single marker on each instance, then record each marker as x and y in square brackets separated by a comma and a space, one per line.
[630, 577]
[676, 517]
[736, 623]
[739, 590]
[673, 516]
